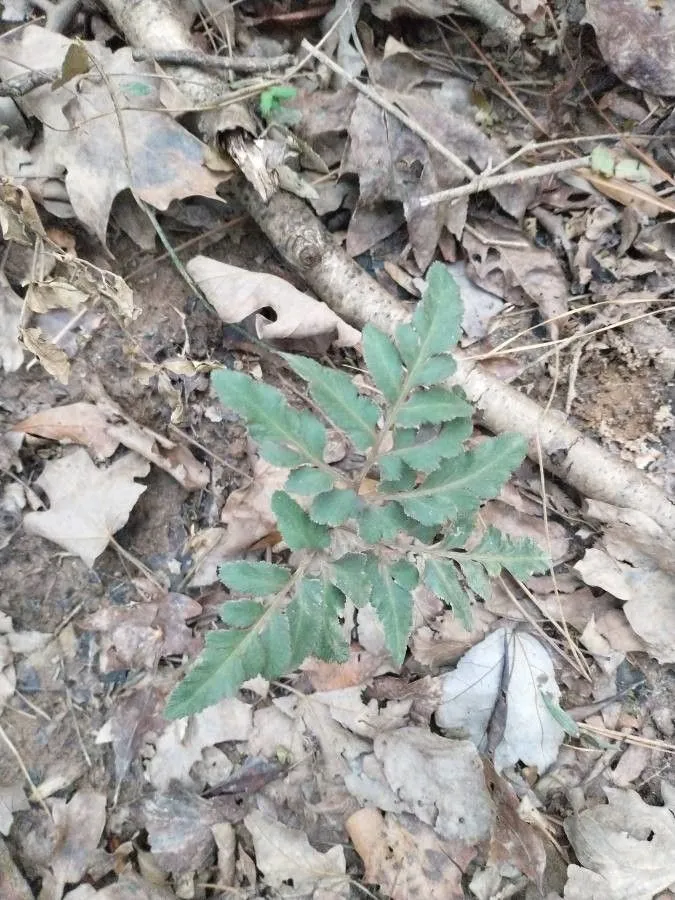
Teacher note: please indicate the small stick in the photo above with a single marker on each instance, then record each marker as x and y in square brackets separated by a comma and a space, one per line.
[390, 108]
[487, 182]
[243, 64]
[494, 16]
[22, 84]
[26, 774]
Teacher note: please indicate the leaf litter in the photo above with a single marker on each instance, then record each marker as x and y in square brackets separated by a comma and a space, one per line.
[342, 751]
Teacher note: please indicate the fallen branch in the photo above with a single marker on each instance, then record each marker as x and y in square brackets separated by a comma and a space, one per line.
[337, 280]
[242, 64]
[341, 283]
[487, 182]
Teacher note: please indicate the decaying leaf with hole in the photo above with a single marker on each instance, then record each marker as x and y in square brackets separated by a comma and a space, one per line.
[626, 848]
[88, 504]
[404, 857]
[236, 294]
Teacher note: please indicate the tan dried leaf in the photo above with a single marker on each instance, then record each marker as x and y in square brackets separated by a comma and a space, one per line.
[626, 848]
[88, 505]
[236, 293]
[52, 358]
[99, 428]
[284, 853]
[643, 198]
[56, 294]
[404, 857]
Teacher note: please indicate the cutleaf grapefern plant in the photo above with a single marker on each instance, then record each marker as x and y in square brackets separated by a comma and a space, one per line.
[349, 543]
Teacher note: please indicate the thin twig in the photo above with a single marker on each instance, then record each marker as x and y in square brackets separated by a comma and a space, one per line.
[488, 182]
[637, 739]
[203, 236]
[245, 64]
[391, 108]
[85, 753]
[26, 774]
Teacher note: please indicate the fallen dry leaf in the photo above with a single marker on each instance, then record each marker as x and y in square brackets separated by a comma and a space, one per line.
[138, 635]
[248, 517]
[395, 167]
[12, 883]
[648, 592]
[627, 849]
[514, 841]
[137, 715]
[236, 294]
[132, 887]
[88, 505]
[42, 296]
[636, 41]
[179, 827]
[78, 825]
[404, 857]
[502, 261]
[440, 781]
[643, 198]
[291, 865]
[100, 428]
[81, 423]
[495, 696]
[12, 799]
[52, 359]
[181, 743]
[158, 158]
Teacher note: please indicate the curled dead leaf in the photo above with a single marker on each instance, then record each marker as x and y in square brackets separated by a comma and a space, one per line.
[52, 358]
[642, 198]
[236, 293]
